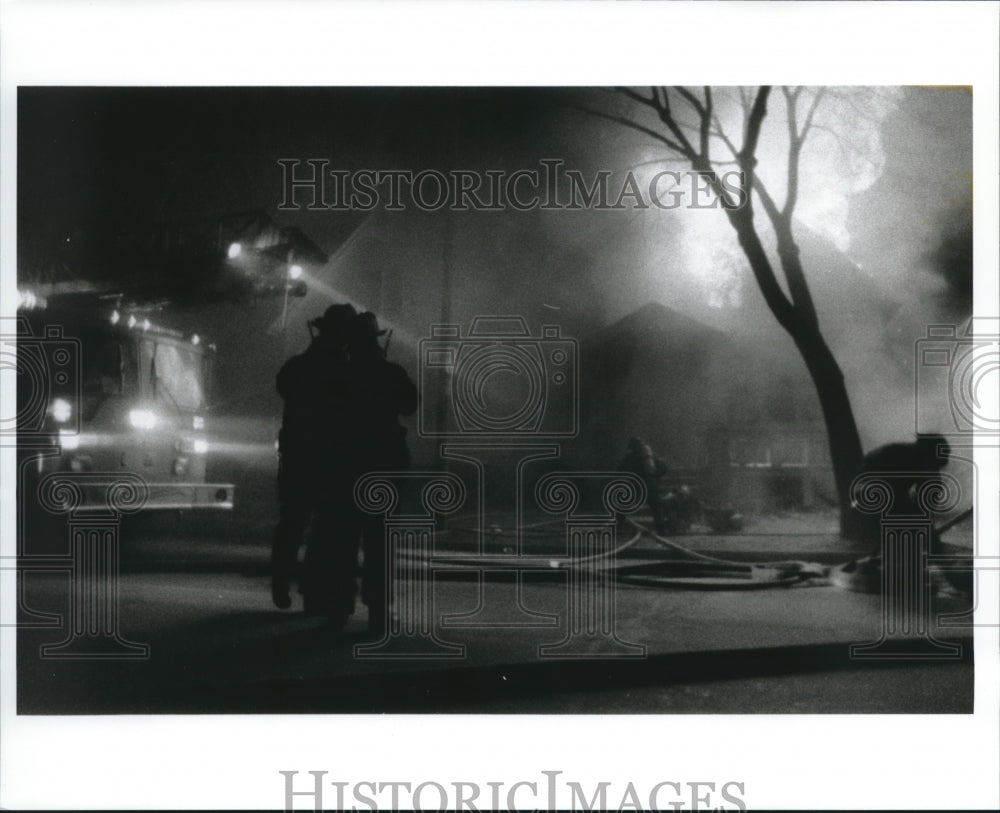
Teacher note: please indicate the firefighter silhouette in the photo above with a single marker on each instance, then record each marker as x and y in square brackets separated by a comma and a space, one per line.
[383, 391]
[316, 469]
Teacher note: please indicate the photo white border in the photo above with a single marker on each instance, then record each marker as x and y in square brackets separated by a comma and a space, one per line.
[788, 761]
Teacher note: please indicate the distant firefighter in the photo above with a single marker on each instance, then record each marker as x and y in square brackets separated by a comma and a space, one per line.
[640, 460]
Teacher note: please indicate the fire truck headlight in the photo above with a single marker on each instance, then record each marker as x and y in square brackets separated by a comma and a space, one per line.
[69, 442]
[192, 446]
[61, 410]
[142, 419]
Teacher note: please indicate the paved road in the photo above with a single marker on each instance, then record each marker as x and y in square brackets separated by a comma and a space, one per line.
[202, 606]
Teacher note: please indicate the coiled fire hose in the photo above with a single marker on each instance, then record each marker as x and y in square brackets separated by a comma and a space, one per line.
[696, 571]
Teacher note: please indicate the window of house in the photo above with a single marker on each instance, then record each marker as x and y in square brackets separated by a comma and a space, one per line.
[790, 452]
[752, 452]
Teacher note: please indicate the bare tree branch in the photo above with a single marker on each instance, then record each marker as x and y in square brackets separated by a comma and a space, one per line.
[691, 99]
[794, 151]
[632, 125]
[706, 122]
[689, 127]
[659, 101]
[791, 94]
[651, 102]
[754, 123]
[662, 99]
[793, 310]
[812, 112]
[654, 161]
[667, 117]
[725, 139]
[747, 155]
[845, 145]
[773, 213]
[796, 138]
[748, 181]
[790, 119]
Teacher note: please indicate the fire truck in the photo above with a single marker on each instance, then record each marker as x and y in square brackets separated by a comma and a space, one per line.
[107, 388]
[107, 382]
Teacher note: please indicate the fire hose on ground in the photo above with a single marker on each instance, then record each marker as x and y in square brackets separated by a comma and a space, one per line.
[696, 571]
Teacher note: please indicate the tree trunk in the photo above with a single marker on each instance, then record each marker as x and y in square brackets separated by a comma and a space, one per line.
[842, 432]
[797, 315]
[798, 318]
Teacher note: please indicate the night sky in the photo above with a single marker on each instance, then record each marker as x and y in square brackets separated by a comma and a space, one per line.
[93, 156]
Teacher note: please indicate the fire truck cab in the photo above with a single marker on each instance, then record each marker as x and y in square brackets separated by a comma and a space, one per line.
[119, 393]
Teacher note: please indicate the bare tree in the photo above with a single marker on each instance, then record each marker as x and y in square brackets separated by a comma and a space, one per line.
[688, 125]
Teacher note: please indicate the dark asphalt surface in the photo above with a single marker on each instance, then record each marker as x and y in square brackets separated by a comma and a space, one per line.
[199, 598]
